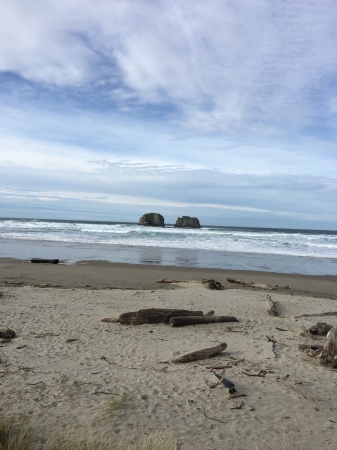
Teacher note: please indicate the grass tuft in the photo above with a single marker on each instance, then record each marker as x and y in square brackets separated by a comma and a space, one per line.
[17, 436]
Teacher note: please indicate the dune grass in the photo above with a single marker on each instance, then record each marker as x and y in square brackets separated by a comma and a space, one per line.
[15, 434]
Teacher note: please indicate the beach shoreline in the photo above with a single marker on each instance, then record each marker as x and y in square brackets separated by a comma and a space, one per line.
[66, 368]
[108, 275]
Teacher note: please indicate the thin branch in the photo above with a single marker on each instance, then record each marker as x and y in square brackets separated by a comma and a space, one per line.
[213, 418]
[327, 313]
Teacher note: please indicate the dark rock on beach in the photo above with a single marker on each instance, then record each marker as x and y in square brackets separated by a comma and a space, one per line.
[152, 220]
[321, 329]
[187, 222]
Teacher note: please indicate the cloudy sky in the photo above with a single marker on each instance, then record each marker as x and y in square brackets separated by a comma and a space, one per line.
[225, 110]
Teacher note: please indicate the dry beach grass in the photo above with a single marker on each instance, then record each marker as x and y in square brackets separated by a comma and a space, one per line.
[73, 373]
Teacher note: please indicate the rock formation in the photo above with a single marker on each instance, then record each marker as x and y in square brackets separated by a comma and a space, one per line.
[187, 222]
[152, 220]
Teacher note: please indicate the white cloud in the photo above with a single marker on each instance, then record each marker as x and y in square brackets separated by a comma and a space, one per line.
[221, 64]
[216, 105]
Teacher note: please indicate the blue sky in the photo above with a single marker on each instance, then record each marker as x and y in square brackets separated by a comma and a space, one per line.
[222, 110]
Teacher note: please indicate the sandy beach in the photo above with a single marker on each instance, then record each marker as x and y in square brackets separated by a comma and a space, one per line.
[67, 368]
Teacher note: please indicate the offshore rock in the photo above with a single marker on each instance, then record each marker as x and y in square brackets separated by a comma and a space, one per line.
[152, 220]
[187, 222]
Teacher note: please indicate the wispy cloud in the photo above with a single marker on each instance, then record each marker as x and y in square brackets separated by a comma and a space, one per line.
[184, 104]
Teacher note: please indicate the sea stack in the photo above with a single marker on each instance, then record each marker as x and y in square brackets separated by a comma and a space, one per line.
[152, 220]
[187, 222]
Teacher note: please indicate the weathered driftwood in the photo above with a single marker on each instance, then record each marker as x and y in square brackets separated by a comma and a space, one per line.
[6, 333]
[210, 313]
[154, 315]
[272, 307]
[326, 313]
[195, 320]
[328, 354]
[252, 284]
[45, 261]
[200, 354]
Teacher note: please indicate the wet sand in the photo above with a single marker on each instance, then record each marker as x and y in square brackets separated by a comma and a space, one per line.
[106, 275]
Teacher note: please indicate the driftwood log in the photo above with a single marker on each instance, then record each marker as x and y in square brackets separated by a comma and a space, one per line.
[328, 354]
[6, 333]
[154, 315]
[195, 320]
[272, 307]
[45, 261]
[200, 354]
[252, 284]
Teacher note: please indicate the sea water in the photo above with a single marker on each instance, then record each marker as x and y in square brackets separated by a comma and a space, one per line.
[276, 250]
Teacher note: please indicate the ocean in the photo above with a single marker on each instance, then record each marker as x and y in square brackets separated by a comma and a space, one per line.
[310, 252]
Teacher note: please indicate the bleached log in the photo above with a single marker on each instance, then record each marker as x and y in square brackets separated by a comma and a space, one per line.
[200, 354]
[252, 284]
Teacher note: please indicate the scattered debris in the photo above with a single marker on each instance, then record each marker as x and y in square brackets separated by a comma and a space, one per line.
[239, 406]
[213, 285]
[234, 396]
[213, 418]
[261, 373]
[39, 335]
[310, 347]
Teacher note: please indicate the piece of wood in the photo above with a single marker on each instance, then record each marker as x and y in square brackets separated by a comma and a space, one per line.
[6, 333]
[45, 261]
[272, 307]
[154, 315]
[252, 284]
[110, 319]
[195, 320]
[326, 313]
[328, 354]
[200, 354]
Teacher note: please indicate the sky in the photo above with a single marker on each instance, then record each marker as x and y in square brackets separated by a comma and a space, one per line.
[224, 110]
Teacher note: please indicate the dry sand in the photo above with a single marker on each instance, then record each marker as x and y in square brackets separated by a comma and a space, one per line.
[65, 366]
